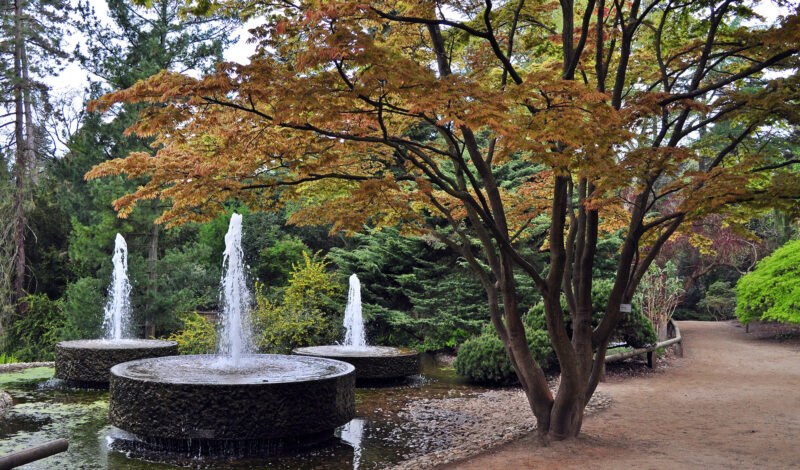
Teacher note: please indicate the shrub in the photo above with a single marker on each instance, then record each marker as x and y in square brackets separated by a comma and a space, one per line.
[274, 264]
[483, 358]
[720, 301]
[8, 358]
[659, 293]
[772, 290]
[198, 336]
[305, 313]
[33, 336]
[634, 328]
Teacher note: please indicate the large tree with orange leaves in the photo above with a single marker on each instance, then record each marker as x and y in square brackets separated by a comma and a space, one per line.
[411, 112]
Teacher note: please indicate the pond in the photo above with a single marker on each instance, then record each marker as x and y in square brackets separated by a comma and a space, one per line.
[379, 436]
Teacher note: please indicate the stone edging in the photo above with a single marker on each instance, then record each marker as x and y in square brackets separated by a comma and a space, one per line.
[23, 365]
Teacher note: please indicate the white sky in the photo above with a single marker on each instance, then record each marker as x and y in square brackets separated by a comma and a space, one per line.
[73, 79]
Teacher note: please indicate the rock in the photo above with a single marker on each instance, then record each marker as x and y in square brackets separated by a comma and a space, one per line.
[5, 403]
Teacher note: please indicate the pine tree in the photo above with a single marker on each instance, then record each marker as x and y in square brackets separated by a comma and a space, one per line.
[30, 50]
[139, 43]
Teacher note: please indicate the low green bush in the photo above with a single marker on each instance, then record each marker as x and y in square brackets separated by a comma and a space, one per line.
[8, 358]
[636, 330]
[483, 359]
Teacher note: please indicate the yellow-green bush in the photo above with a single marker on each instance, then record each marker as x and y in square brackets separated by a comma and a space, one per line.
[305, 314]
[198, 336]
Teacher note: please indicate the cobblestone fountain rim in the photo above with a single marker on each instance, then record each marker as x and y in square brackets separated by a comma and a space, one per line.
[88, 362]
[203, 403]
[371, 362]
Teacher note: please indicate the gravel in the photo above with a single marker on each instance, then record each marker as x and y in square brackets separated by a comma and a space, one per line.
[449, 429]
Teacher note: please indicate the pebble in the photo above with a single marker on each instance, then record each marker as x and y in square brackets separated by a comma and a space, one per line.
[449, 429]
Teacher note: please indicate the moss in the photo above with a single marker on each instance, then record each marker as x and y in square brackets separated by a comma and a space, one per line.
[27, 375]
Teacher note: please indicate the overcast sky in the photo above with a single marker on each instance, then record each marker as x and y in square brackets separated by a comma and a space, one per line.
[73, 79]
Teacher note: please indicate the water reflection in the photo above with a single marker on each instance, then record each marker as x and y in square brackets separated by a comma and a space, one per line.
[352, 433]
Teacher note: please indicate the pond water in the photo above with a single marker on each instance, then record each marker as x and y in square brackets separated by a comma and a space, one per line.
[378, 436]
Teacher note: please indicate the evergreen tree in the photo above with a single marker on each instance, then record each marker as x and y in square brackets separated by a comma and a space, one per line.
[138, 43]
[30, 50]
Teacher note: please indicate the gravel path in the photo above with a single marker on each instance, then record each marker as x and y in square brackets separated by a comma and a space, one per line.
[732, 402]
[450, 429]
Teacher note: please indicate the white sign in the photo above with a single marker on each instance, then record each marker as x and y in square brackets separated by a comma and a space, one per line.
[625, 308]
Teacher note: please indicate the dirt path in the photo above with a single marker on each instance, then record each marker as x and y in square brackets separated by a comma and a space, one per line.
[732, 402]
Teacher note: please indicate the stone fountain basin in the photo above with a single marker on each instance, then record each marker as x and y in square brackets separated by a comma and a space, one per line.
[207, 398]
[371, 362]
[89, 361]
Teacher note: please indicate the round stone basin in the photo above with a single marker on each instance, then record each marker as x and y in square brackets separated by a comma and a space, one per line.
[198, 403]
[371, 362]
[88, 362]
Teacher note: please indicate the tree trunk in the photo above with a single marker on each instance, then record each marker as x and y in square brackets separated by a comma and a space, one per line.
[21, 165]
[152, 275]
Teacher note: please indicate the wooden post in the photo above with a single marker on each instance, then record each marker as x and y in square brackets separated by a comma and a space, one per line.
[678, 346]
[650, 359]
[33, 454]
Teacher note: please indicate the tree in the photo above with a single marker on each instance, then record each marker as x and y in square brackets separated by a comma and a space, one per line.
[30, 49]
[136, 44]
[772, 290]
[407, 113]
[720, 301]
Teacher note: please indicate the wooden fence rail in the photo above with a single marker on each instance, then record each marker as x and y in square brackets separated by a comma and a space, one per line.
[672, 330]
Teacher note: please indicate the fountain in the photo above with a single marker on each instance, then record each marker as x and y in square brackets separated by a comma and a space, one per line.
[234, 403]
[372, 363]
[87, 362]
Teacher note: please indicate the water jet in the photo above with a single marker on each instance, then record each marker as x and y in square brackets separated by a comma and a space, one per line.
[235, 403]
[372, 363]
[86, 363]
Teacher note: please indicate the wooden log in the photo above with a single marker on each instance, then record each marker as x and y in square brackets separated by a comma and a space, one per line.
[639, 351]
[33, 454]
[626, 354]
